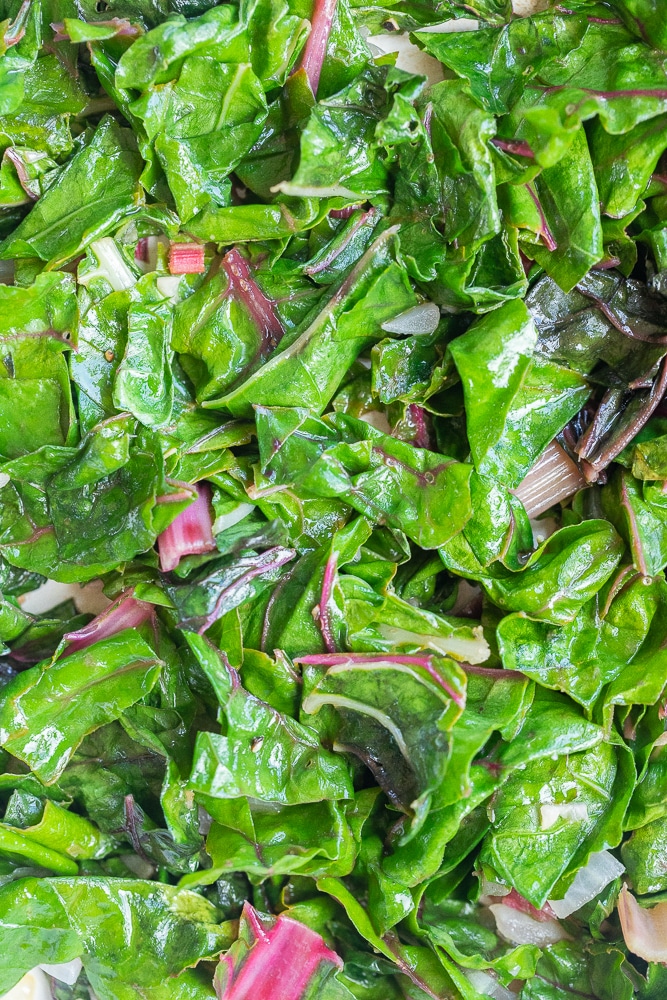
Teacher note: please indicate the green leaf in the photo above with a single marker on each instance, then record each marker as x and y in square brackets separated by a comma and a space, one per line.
[639, 511]
[240, 223]
[562, 575]
[572, 967]
[65, 831]
[89, 199]
[313, 839]
[624, 163]
[56, 920]
[213, 328]
[395, 624]
[532, 854]
[75, 513]
[600, 644]
[459, 930]
[515, 404]
[37, 325]
[499, 63]
[197, 142]
[568, 203]
[225, 583]
[580, 329]
[339, 156]
[446, 169]
[308, 370]
[643, 856]
[143, 384]
[17, 58]
[46, 711]
[395, 714]
[416, 491]
[264, 754]
[643, 18]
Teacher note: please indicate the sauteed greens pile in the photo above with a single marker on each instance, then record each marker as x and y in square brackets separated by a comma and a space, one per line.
[350, 389]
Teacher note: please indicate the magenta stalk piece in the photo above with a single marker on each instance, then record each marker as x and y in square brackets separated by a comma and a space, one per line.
[189, 534]
[186, 258]
[328, 581]
[244, 287]
[125, 612]
[281, 961]
[312, 59]
[402, 659]
[545, 233]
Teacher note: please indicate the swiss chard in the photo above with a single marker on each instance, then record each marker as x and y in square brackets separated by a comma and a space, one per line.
[350, 388]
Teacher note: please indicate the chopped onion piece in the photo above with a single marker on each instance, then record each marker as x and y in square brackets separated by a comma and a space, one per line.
[468, 596]
[33, 986]
[376, 419]
[460, 24]
[169, 286]
[110, 265]
[553, 478]
[644, 930]
[140, 867]
[519, 902]
[487, 986]
[190, 533]
[489, 887]
[125, 612]
[602, 868]
[423, 318]
[524, 8]
[471, 650]
[551, 812]
[408, 56]
[311, 191]
[225, 521]
[186, 258]
[64, 972]
[205, 821]
[519, 928]
[543, 528]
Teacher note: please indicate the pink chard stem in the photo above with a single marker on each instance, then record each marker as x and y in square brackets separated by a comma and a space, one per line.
[515, 146]
[244, 287]
[517, 902]
[270, 962]
[333, 659]
[316, 46]
[325, 603]
[545, 233]
[417, 414]
[190, 534]
[344, 213]
[268, 561]
[329, 258]
[186, 258]
[120, 26]
[125, 612]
